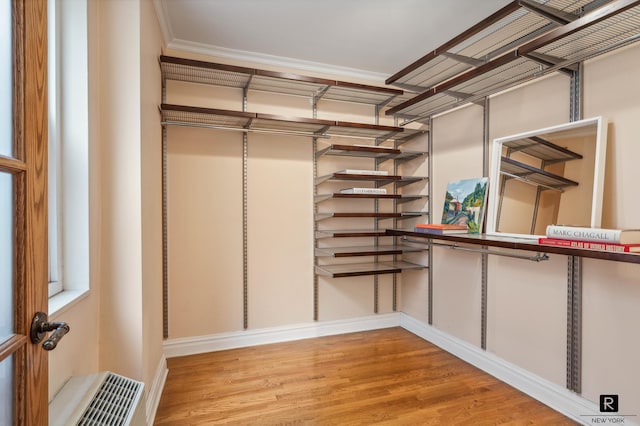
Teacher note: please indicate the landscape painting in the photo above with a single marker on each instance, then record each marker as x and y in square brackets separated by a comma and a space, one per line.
[464, 203]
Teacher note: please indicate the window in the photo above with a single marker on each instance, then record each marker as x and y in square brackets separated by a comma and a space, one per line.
[68, 152]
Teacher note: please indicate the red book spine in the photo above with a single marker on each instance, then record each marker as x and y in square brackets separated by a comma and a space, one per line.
[590, 245]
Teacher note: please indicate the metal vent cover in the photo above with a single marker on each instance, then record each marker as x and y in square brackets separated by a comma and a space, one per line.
[114, 402]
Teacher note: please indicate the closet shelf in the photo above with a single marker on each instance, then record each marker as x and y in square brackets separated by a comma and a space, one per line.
[358, 269]
[194, 71]
[400, 198]
[534, 175]
[353, 215]
[180, 115]
[370, 151]
[381, 250]
[349, 233]
[539, 51]
[541, 148]
[380, 179]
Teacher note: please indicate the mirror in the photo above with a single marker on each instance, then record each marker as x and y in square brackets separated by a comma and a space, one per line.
[548, 176]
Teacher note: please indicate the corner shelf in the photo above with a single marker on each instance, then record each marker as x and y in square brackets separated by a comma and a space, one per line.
[514, 45]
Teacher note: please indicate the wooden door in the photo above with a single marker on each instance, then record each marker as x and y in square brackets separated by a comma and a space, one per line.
[23, 209]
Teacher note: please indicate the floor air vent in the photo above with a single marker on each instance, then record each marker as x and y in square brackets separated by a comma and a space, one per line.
[102, 399]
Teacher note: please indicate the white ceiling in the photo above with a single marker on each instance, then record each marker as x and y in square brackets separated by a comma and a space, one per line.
[370, 39]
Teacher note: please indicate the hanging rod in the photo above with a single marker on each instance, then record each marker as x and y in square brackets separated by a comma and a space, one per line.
[240, 129]
[539, 257]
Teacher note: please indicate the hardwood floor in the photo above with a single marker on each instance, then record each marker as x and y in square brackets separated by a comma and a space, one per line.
[387, 377]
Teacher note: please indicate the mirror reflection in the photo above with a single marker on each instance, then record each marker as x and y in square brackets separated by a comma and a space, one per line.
[547, 176]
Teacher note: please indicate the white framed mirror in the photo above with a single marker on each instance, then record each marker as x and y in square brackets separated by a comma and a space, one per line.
[547, 176]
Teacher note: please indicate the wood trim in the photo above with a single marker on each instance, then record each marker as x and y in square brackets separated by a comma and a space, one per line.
[505, 11]
[31, 195]
[201, 110]
[11, 345]
[388, 90]
[11, 165]
[207, 65]
[274, 117]
[295, 77]
[369, 126]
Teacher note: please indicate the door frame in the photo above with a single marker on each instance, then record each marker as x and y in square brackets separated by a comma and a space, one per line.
[28, 166]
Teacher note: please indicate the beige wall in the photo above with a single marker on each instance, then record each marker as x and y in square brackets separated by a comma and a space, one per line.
[205, 220]
[118, 326]
[527, 301]
[611, 292]
[151, 167]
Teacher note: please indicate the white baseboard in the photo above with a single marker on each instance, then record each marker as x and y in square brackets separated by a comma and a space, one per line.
[155, 391]
[242, 339]
[551, 394]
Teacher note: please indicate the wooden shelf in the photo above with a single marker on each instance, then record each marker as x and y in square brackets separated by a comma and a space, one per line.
[350, 233]
[591, 30]
[181, 115]
[518, 244]
[538, 147]
[398, 197]
[521, 171]
[360, 269]
[194, 71]
[381, 250]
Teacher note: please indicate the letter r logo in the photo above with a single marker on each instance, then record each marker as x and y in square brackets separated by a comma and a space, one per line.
[608, 403]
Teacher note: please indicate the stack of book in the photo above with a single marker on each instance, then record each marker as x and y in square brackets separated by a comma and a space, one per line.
[441, 228]
[613, 240]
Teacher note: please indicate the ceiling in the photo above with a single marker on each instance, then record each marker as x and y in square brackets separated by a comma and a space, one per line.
[364, 39]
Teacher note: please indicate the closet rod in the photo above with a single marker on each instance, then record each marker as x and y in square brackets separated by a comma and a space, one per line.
[537, 258]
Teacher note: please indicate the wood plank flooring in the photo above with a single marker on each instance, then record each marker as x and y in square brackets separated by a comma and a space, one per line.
[386, 377]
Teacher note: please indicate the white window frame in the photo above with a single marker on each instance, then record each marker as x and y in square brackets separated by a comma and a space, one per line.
[69, 162]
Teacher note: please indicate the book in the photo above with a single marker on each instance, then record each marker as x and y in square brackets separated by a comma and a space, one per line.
[364, 172]
[590, 245]
[441, 228]
[464, 203]
[601, 235]
[363, 191]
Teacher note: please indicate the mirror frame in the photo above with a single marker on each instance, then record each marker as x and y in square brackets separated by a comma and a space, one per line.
[598, 176]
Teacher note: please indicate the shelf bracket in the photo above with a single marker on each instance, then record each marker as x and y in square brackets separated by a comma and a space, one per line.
[556, 15]
[552, 61]
[464, 59]
[538, 257]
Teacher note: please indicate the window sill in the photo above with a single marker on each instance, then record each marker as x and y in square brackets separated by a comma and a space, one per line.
[64, 300]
